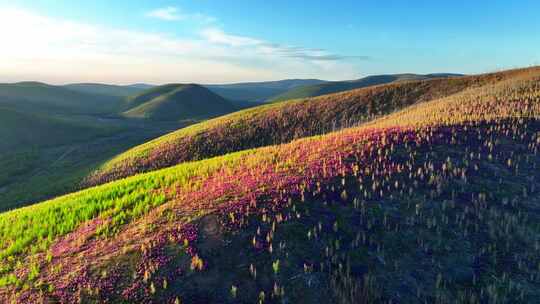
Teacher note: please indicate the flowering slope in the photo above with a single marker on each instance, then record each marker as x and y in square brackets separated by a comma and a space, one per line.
[438, 203]
[283, 122]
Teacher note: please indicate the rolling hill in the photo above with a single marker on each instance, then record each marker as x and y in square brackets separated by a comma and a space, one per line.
[437, 202]
[283, 122]
[39, 97]
[178, 102]
[258, 91]
[324, 88]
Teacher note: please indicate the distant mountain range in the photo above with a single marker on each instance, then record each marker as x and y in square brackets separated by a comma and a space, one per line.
[245, 93]
[259, 91]
[200, 100]
[254, 92]
[107, 89]
[141, 86]
[272, 91]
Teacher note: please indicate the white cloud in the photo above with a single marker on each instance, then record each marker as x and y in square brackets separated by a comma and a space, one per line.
[171, 13]
[37, 47]
[216, 35]
[166, 13]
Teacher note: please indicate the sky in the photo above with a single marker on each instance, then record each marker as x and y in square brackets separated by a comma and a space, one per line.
[225, 41]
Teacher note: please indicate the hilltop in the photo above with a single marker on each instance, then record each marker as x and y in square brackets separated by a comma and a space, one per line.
[283, 122]
[436, 202]
[324, 88]
[177, 102]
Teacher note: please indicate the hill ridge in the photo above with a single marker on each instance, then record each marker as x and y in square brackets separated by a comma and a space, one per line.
[282, 122]
[340, 86]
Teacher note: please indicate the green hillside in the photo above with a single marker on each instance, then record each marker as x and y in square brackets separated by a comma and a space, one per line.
[30, 175]
[339, 86]
[178, 102]
[23, 131]
[32, 152]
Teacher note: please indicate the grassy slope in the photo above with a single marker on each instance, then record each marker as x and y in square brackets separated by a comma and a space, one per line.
[55, 163]
[148, 94]
[241, 105]
[21, 130]
[340, 86]
[34, 97]
[39, 174]
[179, 102]
[282, 122]
[436, 162]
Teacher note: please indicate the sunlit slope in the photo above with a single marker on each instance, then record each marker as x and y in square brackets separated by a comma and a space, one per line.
[477, 148]
[178, 102]
[285, 121]
[148, 94]
[512, 98]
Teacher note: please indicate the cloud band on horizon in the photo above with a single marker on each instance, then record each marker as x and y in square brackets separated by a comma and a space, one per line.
[72, 51]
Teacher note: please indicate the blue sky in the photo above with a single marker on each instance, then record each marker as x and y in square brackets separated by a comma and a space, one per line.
[228, 41]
